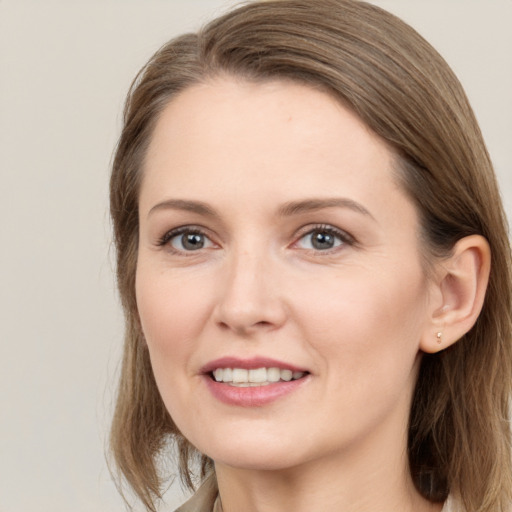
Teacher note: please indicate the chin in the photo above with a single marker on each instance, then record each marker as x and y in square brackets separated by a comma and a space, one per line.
[251, 453]
[256, 461]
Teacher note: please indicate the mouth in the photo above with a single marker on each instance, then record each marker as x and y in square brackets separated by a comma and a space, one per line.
[264, 376]
[253, 382]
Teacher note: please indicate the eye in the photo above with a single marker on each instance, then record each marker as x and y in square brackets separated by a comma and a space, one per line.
[186, 240]
[323, 238]
[189, 241]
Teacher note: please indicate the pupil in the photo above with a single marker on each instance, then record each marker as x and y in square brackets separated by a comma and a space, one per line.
[322, 240]
[193, 241]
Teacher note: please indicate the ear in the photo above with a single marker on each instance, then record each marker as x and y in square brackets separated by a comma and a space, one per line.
[458, 293]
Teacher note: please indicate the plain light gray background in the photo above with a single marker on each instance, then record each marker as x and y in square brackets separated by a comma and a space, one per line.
[64, 69]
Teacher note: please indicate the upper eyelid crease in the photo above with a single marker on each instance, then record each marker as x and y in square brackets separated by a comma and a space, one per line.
[345, 237]
[180, 230]
[340, 233]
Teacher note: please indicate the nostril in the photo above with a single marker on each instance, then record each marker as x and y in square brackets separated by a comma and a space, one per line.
[244, 328]
[263, 323]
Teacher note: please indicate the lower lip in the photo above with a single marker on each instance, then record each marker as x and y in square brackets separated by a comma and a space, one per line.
[256, 396]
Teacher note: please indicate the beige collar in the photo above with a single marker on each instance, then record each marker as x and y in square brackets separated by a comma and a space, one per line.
[207, 499]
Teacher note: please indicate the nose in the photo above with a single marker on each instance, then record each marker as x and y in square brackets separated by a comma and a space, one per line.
[250, 298]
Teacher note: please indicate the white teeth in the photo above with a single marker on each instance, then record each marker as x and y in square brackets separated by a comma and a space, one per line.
[273, 374]
[286, 375]
[258, 375]
[240, 375]
[255, 377]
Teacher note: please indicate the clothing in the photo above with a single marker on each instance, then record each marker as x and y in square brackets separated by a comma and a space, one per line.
[449, 505]
[206, 499]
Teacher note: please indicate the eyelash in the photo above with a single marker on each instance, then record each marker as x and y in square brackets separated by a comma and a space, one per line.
[342, 236]
[173, 233]
[345, 238]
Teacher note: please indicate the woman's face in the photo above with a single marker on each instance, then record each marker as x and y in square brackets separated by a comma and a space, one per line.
[274, 235]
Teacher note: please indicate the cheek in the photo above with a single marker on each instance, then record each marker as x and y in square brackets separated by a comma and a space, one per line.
[365, 321]
[169, 313]
[366, 339]
[170, 308]
[169, 316]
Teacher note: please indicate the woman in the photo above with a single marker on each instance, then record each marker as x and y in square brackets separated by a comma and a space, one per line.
[314, 266]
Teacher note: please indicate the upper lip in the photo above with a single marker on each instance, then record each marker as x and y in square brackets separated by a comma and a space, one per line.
[249, 364]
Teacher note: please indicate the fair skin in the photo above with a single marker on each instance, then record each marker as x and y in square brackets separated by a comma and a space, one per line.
[272, 225]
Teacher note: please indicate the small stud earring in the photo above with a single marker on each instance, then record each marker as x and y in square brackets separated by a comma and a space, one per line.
[439, 337]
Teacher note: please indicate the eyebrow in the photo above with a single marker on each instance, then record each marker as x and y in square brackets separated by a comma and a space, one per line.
[182, 204]
[309, 205]
[287, 210]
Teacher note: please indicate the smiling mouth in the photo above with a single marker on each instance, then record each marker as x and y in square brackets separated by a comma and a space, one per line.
[243, 378]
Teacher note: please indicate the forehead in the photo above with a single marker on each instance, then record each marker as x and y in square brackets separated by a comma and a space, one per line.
[225, 101]
[267, 128]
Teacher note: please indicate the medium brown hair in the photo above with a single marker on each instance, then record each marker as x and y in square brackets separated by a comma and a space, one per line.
[380, 68]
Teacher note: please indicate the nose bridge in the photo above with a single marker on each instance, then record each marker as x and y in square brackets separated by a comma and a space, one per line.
[249, 298]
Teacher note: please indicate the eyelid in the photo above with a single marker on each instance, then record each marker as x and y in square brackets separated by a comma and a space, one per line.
[164, 240]
[346, 238]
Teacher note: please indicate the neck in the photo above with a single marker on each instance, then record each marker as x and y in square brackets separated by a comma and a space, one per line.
[303, 491]
[375, 477]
